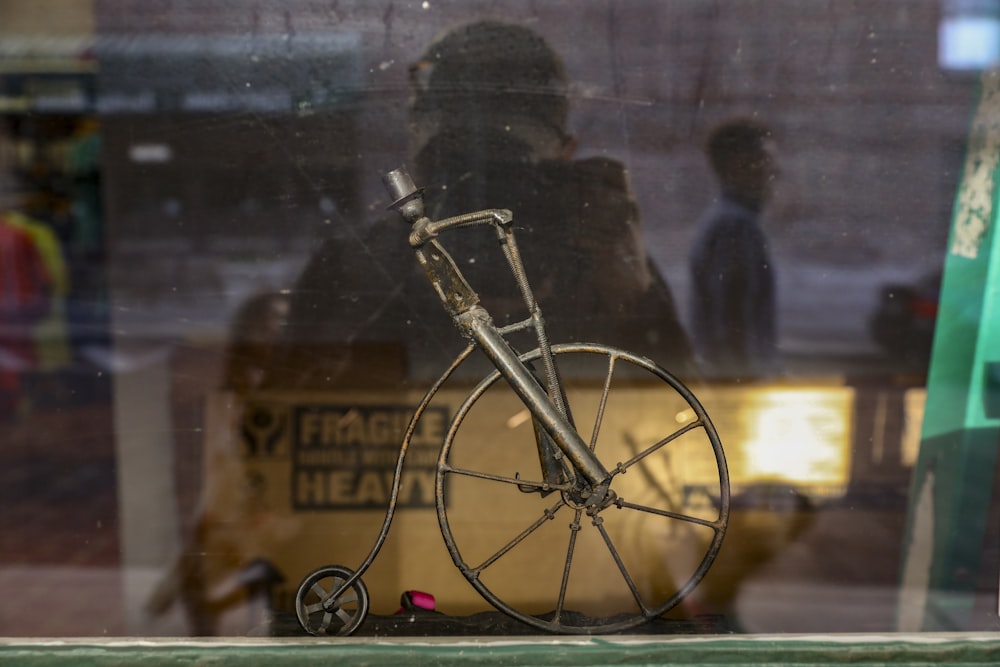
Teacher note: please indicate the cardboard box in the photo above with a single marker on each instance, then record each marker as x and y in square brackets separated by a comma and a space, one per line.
[303, 480]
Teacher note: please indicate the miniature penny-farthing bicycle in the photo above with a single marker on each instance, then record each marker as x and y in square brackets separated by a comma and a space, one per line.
[604, 534]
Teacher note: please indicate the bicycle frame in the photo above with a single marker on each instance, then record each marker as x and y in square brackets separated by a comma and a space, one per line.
[474, 323]
[549, 409]
[568, 464]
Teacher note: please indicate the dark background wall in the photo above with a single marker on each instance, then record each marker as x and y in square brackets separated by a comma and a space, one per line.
[871, 130]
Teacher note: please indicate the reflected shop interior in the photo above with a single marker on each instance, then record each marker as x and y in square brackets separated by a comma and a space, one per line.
[213, 333]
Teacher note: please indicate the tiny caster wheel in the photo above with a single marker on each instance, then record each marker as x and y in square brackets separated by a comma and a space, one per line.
[322, 615]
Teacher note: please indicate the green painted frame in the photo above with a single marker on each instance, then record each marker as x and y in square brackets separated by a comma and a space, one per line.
[953, 488]
[858, 650]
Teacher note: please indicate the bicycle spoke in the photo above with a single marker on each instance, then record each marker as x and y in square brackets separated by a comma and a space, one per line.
[341, 613]
[319, 590]
[547, 515]
[327, 620]
[599, 419]
[624, 504]
[599, 524]
[622, 467]
[336, 586]
[652, 482]
[574, 531]
[313, 608]
[517, 481]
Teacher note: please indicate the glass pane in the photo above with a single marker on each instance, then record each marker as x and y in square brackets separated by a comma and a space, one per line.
[700, 407]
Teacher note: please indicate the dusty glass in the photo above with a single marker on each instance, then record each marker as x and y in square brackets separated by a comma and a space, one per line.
[215, 333]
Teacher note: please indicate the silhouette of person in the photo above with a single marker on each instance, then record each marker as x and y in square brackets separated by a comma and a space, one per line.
[233, 528]
[733, 300]
[254, 335]
[487, 121]
[765, 520]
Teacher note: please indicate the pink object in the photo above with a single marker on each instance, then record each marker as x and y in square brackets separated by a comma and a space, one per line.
[416, 600]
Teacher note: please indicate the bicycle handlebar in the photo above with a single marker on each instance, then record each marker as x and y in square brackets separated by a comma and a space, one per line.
[408, 202]
[425, 231]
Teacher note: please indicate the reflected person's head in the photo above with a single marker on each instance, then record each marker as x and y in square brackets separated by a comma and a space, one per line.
[491, 85]
[742, 153]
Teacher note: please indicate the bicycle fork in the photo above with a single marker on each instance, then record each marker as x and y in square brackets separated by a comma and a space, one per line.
[477, 325]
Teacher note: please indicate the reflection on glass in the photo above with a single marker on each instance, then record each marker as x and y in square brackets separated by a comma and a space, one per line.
[969, 35]
[186, 158]
[797, 436]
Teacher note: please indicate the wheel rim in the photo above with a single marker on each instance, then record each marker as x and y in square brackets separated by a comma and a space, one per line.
[601, 586]
[321, 616]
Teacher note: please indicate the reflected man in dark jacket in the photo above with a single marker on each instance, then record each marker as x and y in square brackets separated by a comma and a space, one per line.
[488, 120]
[733, 307]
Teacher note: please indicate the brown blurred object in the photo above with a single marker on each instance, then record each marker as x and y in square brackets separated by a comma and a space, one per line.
[763, 521]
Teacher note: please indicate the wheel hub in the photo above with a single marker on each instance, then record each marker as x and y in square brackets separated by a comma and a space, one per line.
[592, 499]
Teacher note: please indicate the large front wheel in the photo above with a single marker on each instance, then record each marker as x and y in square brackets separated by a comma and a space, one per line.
[534, 548]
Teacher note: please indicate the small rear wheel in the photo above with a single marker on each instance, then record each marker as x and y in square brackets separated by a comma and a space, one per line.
[321, 614]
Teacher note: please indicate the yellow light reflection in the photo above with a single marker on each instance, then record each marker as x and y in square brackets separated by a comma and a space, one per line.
[913, 421]
[684, 416]
[518, 418]
[801, 436]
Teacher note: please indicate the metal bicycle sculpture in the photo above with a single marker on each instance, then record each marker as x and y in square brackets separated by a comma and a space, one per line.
[580, 504]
